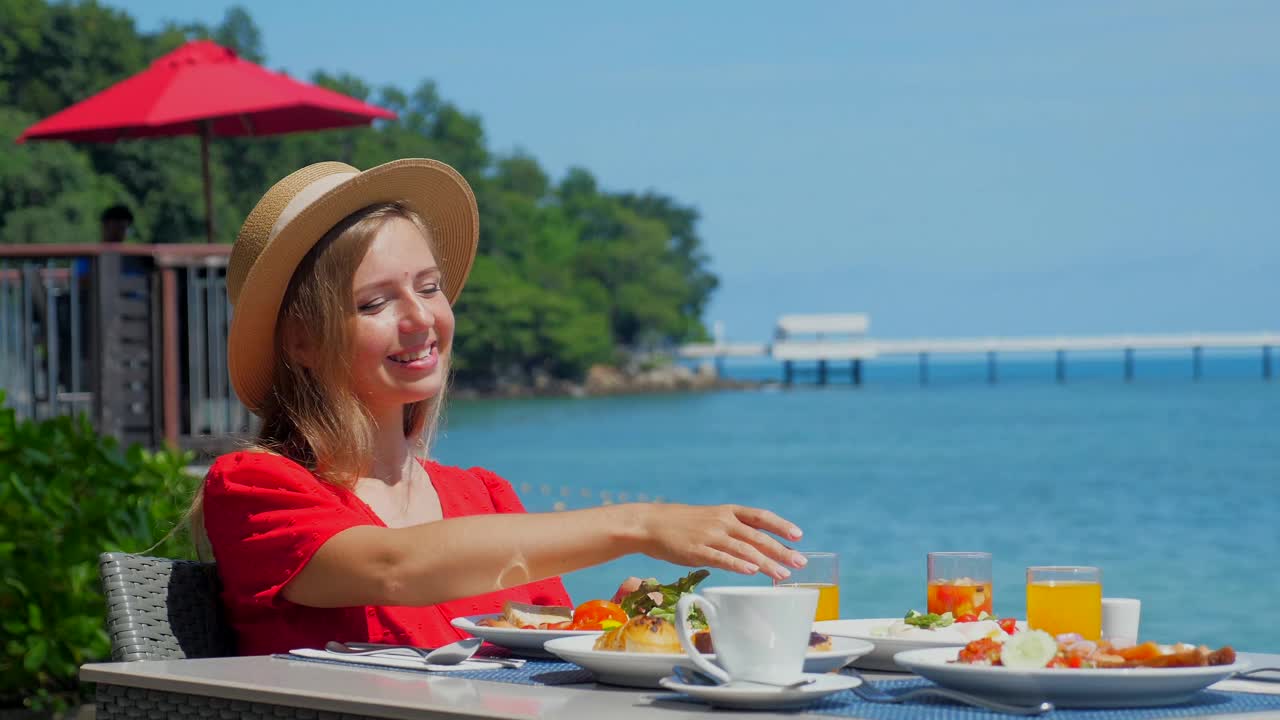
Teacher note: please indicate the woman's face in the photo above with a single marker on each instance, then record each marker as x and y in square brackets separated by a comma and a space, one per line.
[403, 325]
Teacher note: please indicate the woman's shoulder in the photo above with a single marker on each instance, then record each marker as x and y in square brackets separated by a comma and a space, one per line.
[255, 467]
[501, 494]
[454, 472]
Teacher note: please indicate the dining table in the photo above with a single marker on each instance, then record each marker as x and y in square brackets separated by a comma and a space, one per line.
[261, 687]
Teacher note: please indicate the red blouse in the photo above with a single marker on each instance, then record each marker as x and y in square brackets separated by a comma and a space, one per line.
[266, 516]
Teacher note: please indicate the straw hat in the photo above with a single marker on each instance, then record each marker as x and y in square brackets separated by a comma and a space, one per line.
[292, 217]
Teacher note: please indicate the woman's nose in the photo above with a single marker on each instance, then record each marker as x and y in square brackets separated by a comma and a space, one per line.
[417, 317]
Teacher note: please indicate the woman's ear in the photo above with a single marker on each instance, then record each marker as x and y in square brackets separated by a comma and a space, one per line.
[299, 346]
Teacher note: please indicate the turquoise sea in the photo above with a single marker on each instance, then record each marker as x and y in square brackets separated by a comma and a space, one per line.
[1171, 486]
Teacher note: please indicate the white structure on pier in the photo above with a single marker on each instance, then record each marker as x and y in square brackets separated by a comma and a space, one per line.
[822, 337]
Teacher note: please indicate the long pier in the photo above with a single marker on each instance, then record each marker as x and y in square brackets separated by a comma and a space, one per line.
[855, 351]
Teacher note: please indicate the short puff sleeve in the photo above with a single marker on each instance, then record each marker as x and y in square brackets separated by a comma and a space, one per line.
[266, 516]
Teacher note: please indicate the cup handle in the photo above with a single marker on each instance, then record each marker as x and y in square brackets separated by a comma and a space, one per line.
[683, 606]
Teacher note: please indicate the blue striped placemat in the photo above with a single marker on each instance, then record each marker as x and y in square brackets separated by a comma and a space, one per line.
[846, 704]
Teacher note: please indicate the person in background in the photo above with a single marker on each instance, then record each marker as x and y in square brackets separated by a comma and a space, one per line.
[117, 221]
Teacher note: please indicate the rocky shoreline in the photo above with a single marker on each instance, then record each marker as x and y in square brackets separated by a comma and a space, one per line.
[606, 380]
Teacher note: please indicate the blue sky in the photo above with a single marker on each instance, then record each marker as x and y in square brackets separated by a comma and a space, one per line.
[975, 168]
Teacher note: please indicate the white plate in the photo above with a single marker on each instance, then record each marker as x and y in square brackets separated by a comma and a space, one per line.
[520, 642]
[614, 667]
[1065, 687]
[748, 696]
[881, 658]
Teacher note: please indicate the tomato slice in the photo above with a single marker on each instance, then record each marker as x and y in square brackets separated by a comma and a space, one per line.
[1009, 625]
[590, 614]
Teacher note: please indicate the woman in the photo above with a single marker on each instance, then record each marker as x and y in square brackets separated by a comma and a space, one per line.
[332, 528]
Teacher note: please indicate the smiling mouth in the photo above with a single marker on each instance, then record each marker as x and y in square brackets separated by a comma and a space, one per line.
[412, 356]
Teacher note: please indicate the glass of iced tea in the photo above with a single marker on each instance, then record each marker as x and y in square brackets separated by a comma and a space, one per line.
[1065, 599]
[960, 583]
[821, 573]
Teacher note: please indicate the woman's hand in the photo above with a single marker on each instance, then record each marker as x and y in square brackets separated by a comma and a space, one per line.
[729, 537]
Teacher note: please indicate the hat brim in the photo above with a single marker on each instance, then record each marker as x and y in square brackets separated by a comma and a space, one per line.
[432, 189]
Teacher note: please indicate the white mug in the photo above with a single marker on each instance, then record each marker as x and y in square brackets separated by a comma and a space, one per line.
[759, 633]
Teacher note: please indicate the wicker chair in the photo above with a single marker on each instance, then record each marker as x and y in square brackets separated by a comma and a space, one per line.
[162, 609]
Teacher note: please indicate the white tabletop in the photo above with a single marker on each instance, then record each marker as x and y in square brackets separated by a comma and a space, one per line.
[395, 694]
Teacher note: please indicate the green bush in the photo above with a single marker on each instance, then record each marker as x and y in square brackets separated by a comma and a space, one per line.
[66, 495]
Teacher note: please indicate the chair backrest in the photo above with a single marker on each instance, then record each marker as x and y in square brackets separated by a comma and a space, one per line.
[161, 609]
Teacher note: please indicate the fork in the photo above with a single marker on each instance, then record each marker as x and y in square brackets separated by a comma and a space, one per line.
[871, 693]
[1245, 675]
[373, 649]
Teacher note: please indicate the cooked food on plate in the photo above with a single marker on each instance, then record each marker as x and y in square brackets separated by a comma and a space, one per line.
[1037, 649]
[642, 621]
[647, 634]
[642, 634]
[650, 598]
[590, 615]
[651, 627]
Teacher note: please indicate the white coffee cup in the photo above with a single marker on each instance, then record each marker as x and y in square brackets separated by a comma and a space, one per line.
[1120, 618]
[760, 634]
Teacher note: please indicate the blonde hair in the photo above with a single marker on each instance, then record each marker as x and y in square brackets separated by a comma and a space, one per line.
[311, 415]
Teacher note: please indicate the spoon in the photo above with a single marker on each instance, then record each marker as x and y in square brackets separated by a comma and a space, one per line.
[694, 677]
[452, 654]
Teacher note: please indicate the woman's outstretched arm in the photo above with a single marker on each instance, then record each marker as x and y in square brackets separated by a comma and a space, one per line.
[461, 557]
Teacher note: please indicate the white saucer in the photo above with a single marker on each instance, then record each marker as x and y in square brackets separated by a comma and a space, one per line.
[750, 696]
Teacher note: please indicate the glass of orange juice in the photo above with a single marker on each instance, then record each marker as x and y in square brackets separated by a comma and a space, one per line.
[960, 583]
[1065, 599]
[821, 573]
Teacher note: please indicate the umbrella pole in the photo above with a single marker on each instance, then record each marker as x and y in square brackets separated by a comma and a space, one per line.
[206, 130]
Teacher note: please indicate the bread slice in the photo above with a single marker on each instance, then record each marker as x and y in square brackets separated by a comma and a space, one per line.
[521, 614]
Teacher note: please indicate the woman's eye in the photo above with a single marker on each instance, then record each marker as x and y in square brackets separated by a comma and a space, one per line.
[372, 305]
[431, 289]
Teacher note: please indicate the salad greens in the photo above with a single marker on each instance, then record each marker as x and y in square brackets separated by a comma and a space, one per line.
[657, 600]
[930, 621]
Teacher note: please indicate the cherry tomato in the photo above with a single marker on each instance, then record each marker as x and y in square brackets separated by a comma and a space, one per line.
[1075, 661]
[967, 617]
[1009, 625]
[590, 614]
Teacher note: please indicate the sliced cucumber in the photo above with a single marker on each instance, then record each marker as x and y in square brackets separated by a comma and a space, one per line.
[1028, 650]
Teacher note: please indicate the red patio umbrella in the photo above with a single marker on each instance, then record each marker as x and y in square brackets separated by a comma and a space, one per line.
[204, 89]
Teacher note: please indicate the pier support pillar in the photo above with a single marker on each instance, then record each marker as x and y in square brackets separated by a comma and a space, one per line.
[1266, 362]
[788, 373]
[1062, 366]
[924, 368]
[991, 368]
[1128, 364]
[1196, 362]
[856, 370]
[822, 372]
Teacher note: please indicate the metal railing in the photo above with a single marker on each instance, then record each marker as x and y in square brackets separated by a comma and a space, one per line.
[133, 335]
